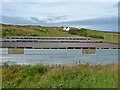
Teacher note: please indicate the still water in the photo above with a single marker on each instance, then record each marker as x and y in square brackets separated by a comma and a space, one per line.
[60, 56]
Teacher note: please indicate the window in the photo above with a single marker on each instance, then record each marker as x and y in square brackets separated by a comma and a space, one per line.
[29, 41]
[25, 38]
[70, 48]
[24, 41]
[62, 48]
[13, 41]
[77, 47]
[74, 38]
[18, 41]
[54, 48]
[35, 41]
[46, 48]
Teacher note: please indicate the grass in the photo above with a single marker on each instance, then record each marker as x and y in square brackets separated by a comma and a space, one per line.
[31, 30]
[111, 37]
[41, 30]
[76, 76]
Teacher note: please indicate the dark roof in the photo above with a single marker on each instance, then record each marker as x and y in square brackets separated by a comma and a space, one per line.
[45, 40]
[57, 45]
[23, 37]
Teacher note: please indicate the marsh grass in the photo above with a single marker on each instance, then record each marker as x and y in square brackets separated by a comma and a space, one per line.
[74, 76]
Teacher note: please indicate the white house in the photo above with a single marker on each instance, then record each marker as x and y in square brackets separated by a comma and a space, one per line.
[66, 28]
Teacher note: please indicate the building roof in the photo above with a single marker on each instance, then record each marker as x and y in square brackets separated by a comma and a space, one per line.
[48, 43]
[57, 45]
[22, 37]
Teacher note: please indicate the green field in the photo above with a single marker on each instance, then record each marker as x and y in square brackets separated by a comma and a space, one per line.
[76, 76]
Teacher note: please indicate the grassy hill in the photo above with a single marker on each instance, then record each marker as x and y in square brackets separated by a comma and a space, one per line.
[31, 30]
[111, 37]
[105, 36]
[15, 30]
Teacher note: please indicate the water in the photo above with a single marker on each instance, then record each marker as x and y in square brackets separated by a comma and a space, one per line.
[60, 56]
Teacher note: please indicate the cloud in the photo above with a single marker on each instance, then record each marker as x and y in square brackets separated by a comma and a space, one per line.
[35, 19]
[81, 14]
[60, 1]
[56, 12]
[57, 18]
[110, 24]
[103, 24]
[52, 19]
[96, 21]
[21, 20]
[16, 20]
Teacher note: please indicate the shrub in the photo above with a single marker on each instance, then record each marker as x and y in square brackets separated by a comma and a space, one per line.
[33, 35]
[41, 30]
[36, 69]
[84, 32]
[6, 30]
[81, 32]
[6, 65]
[96, 36]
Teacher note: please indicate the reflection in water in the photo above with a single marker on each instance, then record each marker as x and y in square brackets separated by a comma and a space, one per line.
[61, 56]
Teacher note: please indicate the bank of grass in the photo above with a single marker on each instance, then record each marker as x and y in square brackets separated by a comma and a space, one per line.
[76, 76]
[111, 37]
[31, 30]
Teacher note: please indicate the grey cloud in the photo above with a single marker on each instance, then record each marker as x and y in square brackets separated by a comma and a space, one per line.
[21, 20]
[35, 19]
[57, 18]
[98, 23]
[15, 20]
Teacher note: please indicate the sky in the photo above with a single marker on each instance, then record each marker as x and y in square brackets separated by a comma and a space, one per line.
[94, 15]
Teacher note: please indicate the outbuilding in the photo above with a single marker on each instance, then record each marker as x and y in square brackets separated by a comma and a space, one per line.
[66, 28]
